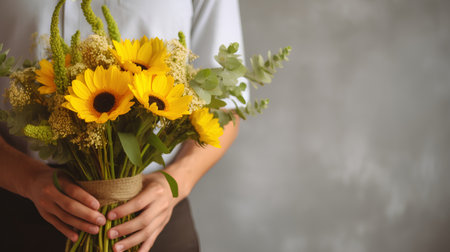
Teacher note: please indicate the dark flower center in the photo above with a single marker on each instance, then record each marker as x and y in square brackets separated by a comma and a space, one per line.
[160, 104]
[104, 102]
[143, 67]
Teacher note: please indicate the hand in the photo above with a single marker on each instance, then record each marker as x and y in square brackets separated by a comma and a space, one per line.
[76, 209]
[156, 203]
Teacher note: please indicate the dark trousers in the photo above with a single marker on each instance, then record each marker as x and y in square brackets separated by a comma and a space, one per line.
[23, 229]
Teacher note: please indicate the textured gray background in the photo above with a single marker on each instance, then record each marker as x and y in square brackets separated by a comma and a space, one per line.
[353, 153]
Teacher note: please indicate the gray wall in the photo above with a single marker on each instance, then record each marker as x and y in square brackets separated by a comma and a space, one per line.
[353, 153]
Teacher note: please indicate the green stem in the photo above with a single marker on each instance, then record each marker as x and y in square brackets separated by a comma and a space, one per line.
[145, 149]
[101, 163]
[124, 167]
[101, 232]
[80, 164]
[88, 245]
[133, 171]
[105, 162]
[68, 243]
[106, 241]
[111, 150]
[77, 244]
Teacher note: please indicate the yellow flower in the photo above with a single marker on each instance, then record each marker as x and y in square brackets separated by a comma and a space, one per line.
[157, 94]
[207, 127]
[46, 76]
[101, 95]
[140, 55]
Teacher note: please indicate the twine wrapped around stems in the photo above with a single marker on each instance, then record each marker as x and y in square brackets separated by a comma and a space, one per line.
[114, 190]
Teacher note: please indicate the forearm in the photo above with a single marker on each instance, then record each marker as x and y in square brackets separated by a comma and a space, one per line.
[193, 161]
[14, 165]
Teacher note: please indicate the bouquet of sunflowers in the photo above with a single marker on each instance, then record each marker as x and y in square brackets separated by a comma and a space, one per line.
[106, 108]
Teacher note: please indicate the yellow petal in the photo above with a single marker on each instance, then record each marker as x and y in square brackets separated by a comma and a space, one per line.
[88, 79]
[176, 91]
[160, 85]
[80, 90]
[145, 53]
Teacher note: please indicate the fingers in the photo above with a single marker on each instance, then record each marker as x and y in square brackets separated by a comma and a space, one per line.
[156, 203]
[69, 219]
[71, 205]
[146, 236]
[60, 226]
[70, 211]
[141, 201]
[136, 204]
[140, 222]
[77, 193]
[74, 208]
[147, 245]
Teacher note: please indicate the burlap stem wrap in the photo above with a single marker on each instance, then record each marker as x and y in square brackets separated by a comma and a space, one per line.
[114, 190]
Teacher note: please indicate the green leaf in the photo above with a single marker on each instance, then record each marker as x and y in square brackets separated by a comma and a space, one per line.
[217, 103]
[233, 47]
[203, 94]
[241, 99]
[211, 83]
[228, 58]
[172, 183]
[224, 116]
[262, 71]
[159, 160]
[257, 107]
[131, 147]
[202, 75]
[157, 143]
[239, 111]
[206, 79]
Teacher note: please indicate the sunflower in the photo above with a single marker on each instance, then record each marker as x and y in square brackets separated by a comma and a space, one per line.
[46, 76]
[207, 127]
[140, 55]
[101, 95]
[157, 94]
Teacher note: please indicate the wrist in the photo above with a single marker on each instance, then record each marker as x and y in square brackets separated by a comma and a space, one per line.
[25, 187]
[185, 182]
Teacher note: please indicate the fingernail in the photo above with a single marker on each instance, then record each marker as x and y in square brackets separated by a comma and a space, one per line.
[74, 238]
[93, 230]
[112, 216]
[113, 234]
[95, 205]
[119, 247]
[100, 221]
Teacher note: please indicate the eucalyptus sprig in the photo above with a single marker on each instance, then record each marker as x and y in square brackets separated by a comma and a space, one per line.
[214, 84]
[262, 71]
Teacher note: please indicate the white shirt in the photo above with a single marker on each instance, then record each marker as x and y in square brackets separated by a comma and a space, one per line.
[207, 24]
